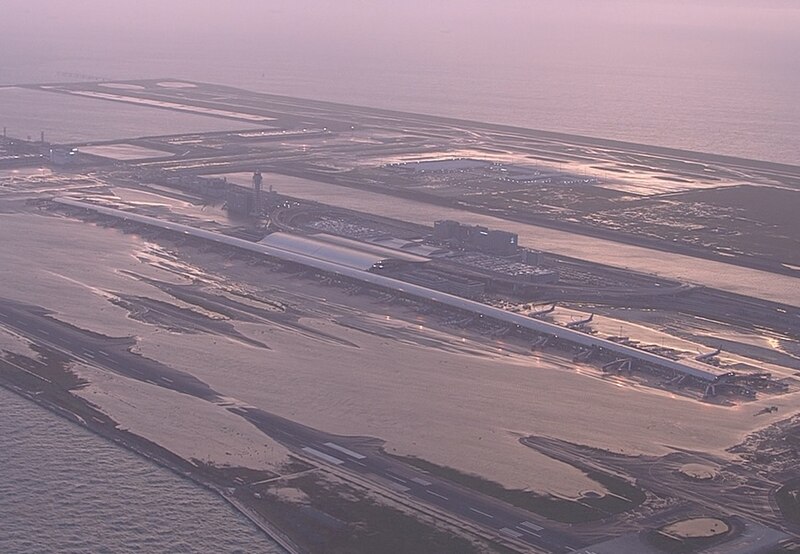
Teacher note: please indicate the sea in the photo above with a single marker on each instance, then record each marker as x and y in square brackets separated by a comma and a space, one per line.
[65, 490]
[720, 76]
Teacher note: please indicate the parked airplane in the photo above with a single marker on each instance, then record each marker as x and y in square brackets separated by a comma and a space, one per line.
[544, 312]
[707, 357]
[579, 323]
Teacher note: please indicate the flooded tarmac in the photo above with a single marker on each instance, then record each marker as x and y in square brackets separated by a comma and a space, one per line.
[358, 390]
[731, 278]
[123, 152]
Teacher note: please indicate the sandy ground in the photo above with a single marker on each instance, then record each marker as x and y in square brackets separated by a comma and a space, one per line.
[15, 344]
[192, 428]
[447, 405]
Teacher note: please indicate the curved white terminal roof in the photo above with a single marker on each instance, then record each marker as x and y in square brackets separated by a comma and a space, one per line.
[338, 250]
[377, 249]
[690, 367]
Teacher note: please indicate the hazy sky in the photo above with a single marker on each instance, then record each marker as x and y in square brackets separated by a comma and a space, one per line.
[505, 32]
[574, 65]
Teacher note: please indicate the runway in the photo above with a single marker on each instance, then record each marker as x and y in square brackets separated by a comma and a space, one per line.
[357, 456]
[36, 325]
[363, 457]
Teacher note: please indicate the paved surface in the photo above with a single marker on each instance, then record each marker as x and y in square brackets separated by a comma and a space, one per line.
[753, 539]
[362, 457]
[358, 456]
[112, 354]
[737, 491]
[346, 137]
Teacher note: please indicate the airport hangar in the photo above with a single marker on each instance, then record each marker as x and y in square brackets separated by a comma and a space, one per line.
[359, 264]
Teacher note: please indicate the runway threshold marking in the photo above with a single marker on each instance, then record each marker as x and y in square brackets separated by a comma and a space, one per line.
[323, 456]
[477, 511]
[443, 497]
[399, 487]
[344, 450]
[511, 532]
[529, 525]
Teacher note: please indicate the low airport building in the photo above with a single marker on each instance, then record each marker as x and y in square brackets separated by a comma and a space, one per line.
[477, 237]
[308, 252]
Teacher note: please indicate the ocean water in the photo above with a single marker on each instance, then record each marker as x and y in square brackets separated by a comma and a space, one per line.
[719, 76]
[65, 490]
[63, 119]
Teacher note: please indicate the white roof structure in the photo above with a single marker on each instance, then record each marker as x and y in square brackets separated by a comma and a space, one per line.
[690, 367]
[320, 250]
[338, 250]
[374, 247]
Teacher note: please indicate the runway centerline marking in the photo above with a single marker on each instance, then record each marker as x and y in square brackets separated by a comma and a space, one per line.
[477, 511]
[443, 497]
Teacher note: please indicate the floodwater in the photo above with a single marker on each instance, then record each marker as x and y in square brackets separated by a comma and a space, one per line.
[392, 386]
[740, 280]
[124, 151]
[697, 75]
[66, 490]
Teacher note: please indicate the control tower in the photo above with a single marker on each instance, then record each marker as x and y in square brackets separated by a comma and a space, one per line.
[257, 201]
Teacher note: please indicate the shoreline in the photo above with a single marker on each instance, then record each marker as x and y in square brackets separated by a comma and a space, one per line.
[139, 446]
[765, 171]
[739, 160]
[443, 526]
[217, 481]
